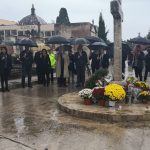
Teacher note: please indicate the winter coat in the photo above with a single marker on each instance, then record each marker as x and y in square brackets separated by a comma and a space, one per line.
[138, 61]
[58, 64]
[26, 58]
[147, 62]
[5, 63]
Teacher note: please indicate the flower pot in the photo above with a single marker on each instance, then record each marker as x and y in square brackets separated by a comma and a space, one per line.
[112, 103]
[144, 101]
[88, 102]
[101, 102]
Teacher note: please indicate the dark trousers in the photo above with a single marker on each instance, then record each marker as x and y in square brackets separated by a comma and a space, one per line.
[26, 71]
[94, 68]
[138, 73]
[80, 76]
[52, 74]
[45, 78]
[146, 73]
[39, 74]
[4, 79]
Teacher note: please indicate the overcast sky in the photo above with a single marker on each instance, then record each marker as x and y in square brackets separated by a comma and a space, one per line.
[136, 13]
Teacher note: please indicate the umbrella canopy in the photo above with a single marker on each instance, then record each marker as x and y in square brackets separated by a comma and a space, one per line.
[93, 39]
[80, 41]
[8, 43]
[65, 47]
[26, 42]
[98, 45]
[139, 40]
[57, 39]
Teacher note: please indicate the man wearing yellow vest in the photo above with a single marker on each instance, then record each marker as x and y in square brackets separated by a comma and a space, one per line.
[53, 63]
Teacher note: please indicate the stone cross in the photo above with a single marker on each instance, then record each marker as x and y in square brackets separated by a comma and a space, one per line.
[116, 11]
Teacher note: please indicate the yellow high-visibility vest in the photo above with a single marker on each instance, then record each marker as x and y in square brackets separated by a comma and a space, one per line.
[53, 60]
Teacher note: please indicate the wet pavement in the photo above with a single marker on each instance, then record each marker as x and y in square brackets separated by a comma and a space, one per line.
[30, 119]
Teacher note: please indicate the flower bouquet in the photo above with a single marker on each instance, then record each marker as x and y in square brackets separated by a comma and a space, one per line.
[86, 94]
[114, 93]
[144, 96]
[98, 95]
[142, 85]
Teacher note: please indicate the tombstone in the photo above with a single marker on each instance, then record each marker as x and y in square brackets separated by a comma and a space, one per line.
[116, 11]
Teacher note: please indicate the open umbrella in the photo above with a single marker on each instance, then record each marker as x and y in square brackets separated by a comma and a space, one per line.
[139, 40]
[80, 41]
[93, 39]
[57, 39]
[26, 42]
[98, 45]
[65, 47]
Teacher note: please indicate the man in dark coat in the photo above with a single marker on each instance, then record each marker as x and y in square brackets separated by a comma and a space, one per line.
[5, 68]
[147, 64]
[26, 58]
[95, 64]
[138, 61]
[81, 63]
[46, 67]
[105, 59]
[37, 60]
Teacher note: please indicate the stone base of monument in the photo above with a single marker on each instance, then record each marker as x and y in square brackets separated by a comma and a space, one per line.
[72, 104]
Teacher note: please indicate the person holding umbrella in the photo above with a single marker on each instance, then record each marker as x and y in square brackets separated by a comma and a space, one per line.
[46, 67]
[26, 58]
[81, 61]
[5, 68]
[138, 60]
[62, 62]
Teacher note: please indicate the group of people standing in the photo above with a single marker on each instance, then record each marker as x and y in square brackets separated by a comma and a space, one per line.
[66, 63]
[139, 59]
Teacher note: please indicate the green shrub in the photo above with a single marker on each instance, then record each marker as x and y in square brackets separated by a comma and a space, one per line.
[98, 75]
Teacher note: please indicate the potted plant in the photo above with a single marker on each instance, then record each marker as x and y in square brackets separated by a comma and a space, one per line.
[144, 97]
[114, 93]
[86, 95]
[98, 94]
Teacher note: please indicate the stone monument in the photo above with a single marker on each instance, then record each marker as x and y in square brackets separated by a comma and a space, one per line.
[116, 11]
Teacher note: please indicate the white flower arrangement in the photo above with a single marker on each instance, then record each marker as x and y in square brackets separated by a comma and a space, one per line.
[86, 94]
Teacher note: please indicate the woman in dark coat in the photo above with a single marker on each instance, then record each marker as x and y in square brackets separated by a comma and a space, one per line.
[5, 68]
[147, 65]
[46, 66]
[138, 61]
[95, 64]
[104, 59]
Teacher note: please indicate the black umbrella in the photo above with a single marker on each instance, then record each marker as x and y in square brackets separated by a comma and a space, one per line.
[26, 42]
[57, 39]
[80, 41]
[98, 45]
[139, 40]
[8, 43]
[93, 39]
[65, 47]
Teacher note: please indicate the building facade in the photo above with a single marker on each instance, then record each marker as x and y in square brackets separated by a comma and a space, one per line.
[36, 27]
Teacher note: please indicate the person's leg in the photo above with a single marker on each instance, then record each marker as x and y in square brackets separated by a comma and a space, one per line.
[140, 74]
[52, 75]
[2, 82]
[6, 80]
[78, 77]
[47, 78]
[29, 72]
[23, 77]
[136, 72]
[145, 75]
[83, 76]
